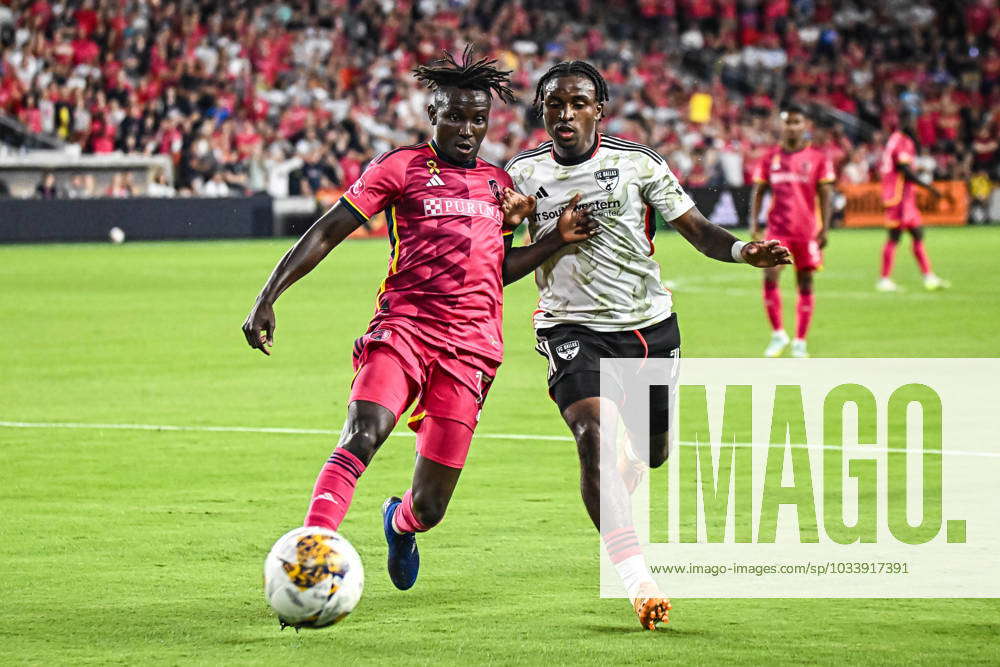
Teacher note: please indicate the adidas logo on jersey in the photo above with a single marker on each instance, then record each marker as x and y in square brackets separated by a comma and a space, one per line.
[435, 180]
[541, 194]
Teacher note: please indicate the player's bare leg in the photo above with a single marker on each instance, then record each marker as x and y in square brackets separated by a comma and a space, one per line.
[772, 304]
[885, 283]
[433, 486]
[367, 427]
[631, 464]
[617, 531]
[803, 312]
[931, 281]
[422, 506]
[633, 467]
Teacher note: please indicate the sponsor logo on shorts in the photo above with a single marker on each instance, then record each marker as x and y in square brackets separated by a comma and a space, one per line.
[607, 178]
[568, 351]
[381, 334]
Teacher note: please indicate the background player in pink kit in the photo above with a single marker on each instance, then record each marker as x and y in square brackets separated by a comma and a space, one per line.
[899, 198]
[436, 336]
[800, 179]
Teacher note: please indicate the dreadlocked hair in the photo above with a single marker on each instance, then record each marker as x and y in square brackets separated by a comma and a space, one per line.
[469, 75]
[570, 68]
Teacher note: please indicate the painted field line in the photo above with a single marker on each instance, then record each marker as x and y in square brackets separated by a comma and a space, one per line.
[408, 434]
[253, 429]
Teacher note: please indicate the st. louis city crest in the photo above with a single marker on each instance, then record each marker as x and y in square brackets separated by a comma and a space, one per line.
[607, 179]
[569, 350]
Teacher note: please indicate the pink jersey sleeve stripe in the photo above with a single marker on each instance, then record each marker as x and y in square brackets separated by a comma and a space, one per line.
[353, 208]
[394, 239]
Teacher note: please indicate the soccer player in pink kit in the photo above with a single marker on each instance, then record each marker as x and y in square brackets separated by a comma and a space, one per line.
[899, 199]
[436, 337]
[800, 178]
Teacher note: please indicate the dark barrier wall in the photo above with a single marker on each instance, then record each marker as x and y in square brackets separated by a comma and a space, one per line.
[723, 205]
[140, 219]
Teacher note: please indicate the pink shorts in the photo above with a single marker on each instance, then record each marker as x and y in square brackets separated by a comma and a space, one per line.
[904, 215]
[806, 252]
[394, 368]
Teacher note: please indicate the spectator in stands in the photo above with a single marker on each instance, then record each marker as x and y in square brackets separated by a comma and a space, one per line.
[121, 186]
[207, 83]
[47, 187]
[81, 186]
[857, 169]
[985, 150]
[158, 185]
[216, 186]
[924, 165]
[980, 188]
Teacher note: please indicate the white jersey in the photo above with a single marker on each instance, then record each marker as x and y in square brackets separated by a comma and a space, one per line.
[609, 282]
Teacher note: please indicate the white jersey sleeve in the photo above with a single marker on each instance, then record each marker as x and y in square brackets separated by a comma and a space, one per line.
[662, 191]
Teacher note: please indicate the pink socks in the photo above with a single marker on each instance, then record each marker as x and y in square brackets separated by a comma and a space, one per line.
[772, 303]
[334, 489]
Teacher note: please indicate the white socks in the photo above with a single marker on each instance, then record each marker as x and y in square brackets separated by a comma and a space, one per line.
[633, 573]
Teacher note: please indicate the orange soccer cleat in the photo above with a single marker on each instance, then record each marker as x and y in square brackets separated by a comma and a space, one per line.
[651, 607]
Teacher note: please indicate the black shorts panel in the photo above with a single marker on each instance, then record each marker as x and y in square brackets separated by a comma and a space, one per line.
[574, 355]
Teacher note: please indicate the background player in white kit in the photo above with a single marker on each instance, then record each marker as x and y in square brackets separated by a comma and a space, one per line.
[603, 298]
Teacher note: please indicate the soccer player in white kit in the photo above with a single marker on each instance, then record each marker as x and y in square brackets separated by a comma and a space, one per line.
[603, 297]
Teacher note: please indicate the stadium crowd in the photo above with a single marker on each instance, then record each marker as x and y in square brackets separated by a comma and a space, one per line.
[294, 97]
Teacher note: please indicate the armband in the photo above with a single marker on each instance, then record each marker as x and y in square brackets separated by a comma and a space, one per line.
[737, 252]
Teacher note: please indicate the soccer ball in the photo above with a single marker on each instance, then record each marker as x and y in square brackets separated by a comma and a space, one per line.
[313, 578]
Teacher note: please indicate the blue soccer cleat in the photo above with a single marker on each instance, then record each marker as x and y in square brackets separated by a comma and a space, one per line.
[404, 559]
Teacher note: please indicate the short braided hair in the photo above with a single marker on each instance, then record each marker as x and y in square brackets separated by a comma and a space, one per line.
[470, 74]
[572, 68]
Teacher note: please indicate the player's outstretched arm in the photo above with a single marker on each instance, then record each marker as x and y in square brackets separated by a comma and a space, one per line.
[756, 201]
[825, 192]
[911, 176]
[715, 242]
[574, 225]
[325, 234]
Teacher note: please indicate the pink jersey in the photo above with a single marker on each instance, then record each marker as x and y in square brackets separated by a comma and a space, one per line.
[896, 190]
[446, 230]
[794, 178]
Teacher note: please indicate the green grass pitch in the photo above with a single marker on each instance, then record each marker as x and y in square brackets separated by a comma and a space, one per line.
[130, 546]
